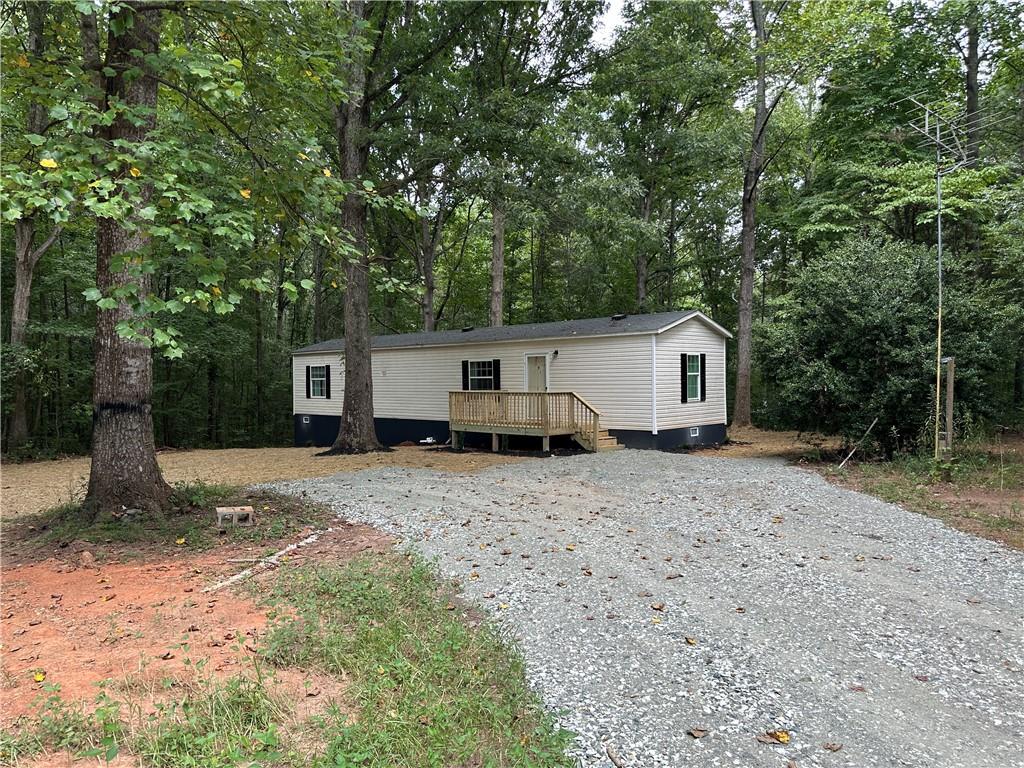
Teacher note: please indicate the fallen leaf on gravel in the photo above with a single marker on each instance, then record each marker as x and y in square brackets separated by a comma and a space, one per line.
[741, 609]
[773, 737]
[570, 547]
[655, 620]
[179, 541]
[973, 600]
[777, 518]
[859, 558]
[673, 576]
[587, 572]
[831, 746]
[658, 606]
[921, 678]
[450, 607]
[791, 764]
[474, 575]
[489, 595]
[858, 689]
[167, 656]
[691, 641]
[698, 733]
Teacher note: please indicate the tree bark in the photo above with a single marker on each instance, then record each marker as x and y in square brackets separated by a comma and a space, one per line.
[426, 257]
[751, 177]
[356, 432]
[497, 313]
[973, 105]
[124, 471]
[25, 256]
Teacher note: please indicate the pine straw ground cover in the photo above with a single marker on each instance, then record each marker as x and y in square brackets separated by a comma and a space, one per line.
[350, 654]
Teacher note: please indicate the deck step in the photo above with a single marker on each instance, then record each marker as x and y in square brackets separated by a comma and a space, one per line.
[607, 448]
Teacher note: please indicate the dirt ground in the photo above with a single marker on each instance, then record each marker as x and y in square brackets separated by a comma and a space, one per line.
[38, 485]
[753, 443]
[86, 617]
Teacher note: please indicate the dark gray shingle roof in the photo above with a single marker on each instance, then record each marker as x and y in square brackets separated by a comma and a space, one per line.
[596, 326]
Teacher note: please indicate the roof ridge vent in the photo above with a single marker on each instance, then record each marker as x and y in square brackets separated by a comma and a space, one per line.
[620, 316]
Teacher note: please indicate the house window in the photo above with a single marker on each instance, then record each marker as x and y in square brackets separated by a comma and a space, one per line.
[693, 377]
[481, 374]
[318, 381]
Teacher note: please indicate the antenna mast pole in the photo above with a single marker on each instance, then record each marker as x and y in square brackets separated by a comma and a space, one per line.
[952, 144]
[938, 340]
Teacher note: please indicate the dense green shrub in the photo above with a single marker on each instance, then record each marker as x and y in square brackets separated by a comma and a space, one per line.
[854, 339]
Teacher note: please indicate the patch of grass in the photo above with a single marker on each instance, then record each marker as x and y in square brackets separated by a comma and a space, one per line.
[432, 688]
[190, 523]
[56, 725]
[216, 725]
[425, 683]
[978, 491]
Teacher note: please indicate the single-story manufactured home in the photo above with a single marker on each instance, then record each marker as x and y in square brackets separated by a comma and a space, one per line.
[643, 381]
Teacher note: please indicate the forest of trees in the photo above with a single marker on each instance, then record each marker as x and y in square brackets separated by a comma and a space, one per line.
[193, 189]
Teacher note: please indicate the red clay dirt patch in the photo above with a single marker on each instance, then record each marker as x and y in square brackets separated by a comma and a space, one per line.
[139, 623]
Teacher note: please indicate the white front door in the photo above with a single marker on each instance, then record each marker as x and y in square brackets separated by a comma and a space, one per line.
[537, 373]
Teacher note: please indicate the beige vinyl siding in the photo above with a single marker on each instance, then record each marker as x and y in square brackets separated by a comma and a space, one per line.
[612, 373]
[691, 337]
[318, 405]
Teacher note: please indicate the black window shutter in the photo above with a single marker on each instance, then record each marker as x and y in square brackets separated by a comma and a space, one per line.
[327, 382]
[703, 378]
[307, 383]
[465, 374]
[496, 367]
[682, 376]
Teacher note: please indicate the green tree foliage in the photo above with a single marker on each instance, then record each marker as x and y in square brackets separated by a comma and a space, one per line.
[617, 169]
[853, 340]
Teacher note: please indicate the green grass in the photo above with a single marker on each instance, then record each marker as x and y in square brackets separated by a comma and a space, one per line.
[190, 521]
[431, 688]
[422, 683]
[979, 490]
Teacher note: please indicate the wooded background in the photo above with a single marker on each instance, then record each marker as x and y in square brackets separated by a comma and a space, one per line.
[754, 161]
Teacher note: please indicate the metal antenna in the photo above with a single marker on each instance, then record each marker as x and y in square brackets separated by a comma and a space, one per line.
[949, 140]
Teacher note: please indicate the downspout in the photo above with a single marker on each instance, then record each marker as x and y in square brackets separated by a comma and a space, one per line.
[654, 384]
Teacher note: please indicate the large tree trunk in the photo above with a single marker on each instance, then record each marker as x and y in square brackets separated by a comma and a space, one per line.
[751, 177]
[124, 472]
[25, 256]
[426, 258]
[973, 105]
[356, 433]
[641, 260]
[497, 313]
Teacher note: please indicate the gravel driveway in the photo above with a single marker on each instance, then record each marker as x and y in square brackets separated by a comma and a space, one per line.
[654, 593]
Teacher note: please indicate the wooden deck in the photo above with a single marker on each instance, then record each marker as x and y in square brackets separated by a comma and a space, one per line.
[527, 413]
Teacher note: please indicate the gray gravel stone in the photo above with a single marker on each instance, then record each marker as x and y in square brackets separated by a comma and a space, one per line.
[788, 604]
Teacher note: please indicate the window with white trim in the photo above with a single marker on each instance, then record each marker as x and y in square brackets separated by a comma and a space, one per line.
[481, 374]
[318, 381]
[693, 377]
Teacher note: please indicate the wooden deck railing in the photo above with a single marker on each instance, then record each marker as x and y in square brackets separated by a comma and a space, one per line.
[527, 413]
